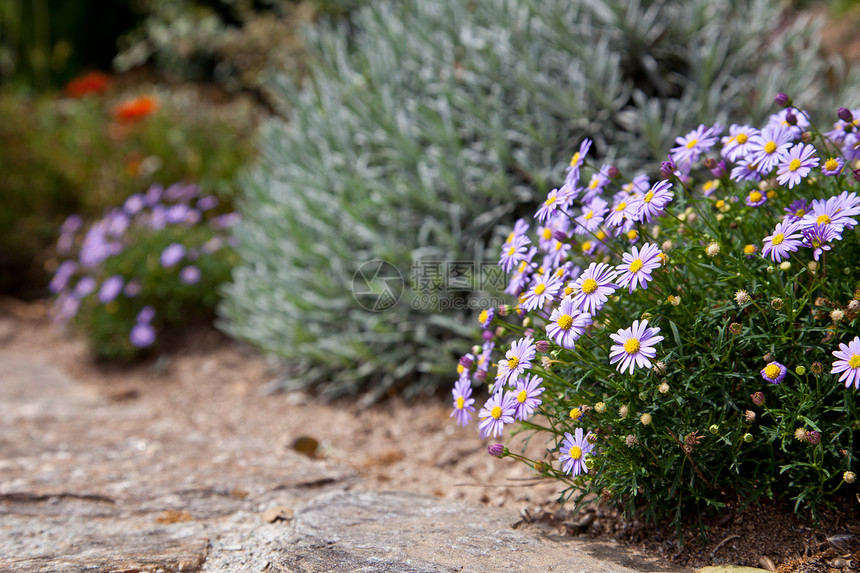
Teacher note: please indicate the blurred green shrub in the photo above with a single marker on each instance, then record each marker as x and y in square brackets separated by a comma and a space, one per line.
[426, 125]
[75, 155]
[150, 266]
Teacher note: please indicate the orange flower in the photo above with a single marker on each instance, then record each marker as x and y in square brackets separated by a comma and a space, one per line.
[91, 83]
[135, 109]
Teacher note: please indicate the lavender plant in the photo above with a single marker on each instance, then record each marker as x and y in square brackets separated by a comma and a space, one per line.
[145, 268]
[427, 124]
[688, 338]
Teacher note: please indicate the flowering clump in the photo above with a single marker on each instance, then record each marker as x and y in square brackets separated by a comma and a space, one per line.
[156, 262]
[731, 280]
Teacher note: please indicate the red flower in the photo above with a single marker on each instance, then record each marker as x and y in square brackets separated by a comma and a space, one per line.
[135, 109]
[91, 83]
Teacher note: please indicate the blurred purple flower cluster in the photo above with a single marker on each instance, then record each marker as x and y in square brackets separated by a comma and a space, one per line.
[83, 277]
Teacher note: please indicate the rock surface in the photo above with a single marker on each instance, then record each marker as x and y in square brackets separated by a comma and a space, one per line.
[199, 475]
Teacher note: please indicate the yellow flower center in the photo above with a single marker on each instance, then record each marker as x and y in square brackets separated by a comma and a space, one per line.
[831, 164]
[692, 143]
[564, 322]
[620, 207]
[496, 412]
[631, 346]
[800, 213]
[636, 265]
[794, 165]
[575, 414]
[574, 160]
[589, 286]
[648, 197]
[589, 215]
[749, 249]
[512, 251]
[558, 247]
[594, 183]
[823, 220]
[540, 288]
[632, 234]
[720, 204]
[549, 200]
[547, 233]
[600, 235]
[755, 196]
[854, 361]
[521, 397]
[575, 452]
[586, 246]
[770, 147]
[568, 290]
[513, 362]
[771, 371]
[742, 138]
[777, 239]
[460, 402]
[482, 318]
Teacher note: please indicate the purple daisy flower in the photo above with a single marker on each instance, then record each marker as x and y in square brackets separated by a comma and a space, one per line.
[543, 290]
[134, 204]
[596, 184]
[818, 237]
[110, 288]
[653, 202]
[774, 372]
[527, 394]
[463, 401]
[572, 172]
[736, 145]
[190, 275]
[796, 164]
[768, 146]
[486, 317]
[142, 335]
[567, 324]
[692, 146]
[85, 286]
[498, 410]
[846, 205]
[593, 287]
[207, 203]
[745, 170]
[172, 254]
[833, 166]
[635, 346]
[621, 215]
[848, 363]
[145, 315]
[755, 198]
[637, 266]
[786, 238]
[780, 120]
[62, 276]
[549, 206]
[517, 359]
[573, 450]
[514, 252]
[796, 210]
[591, 218]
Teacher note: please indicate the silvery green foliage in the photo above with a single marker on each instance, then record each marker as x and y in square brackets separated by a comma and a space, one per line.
[429, 125]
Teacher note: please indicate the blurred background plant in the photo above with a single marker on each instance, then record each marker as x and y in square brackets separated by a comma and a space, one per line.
[151, 266]
[425, 126]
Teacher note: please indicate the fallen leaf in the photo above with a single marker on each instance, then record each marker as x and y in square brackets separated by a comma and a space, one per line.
[173, 516]
[282, 513]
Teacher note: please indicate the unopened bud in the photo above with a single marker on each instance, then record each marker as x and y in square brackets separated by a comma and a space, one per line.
[801, 370]
[856, 174]
[720, 169]
[667, 168]
[817, 368]
[748, 438]
[813, 437]
[714, 429]
[612, 172]
[735, 328]
[559, 236]
[497, 450]
[845, 114]
[542, 346]
[645, 419]
[782, 100]
[776, 303]
[487, 335]
[790, 118]
[481, 375]
[757, 398]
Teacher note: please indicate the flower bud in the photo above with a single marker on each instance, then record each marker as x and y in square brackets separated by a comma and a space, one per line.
[560, 236]
[813, 437]
[612, 172]
[801, 370]
[663, 388]
[749, 416]
[845, 114]
[667, 168]
[735, 328]
[575, 414]
[589, 462]
[714, 429]
[504, 310]
[849, 477]
[800, 435]
[817, 368]
[542, 346]
[790, 118]
[466, 361]
[487, 335]
[600, 407]
[748, 438]
[623, 411]
[497, 450]
[757, 398]
[856, 174]
[720, 169]
[645, 419]
[782, 100]
[481, 375]
[776, 303]
[784, 265]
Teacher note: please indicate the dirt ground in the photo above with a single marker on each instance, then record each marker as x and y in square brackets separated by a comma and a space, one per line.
[216, 386]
